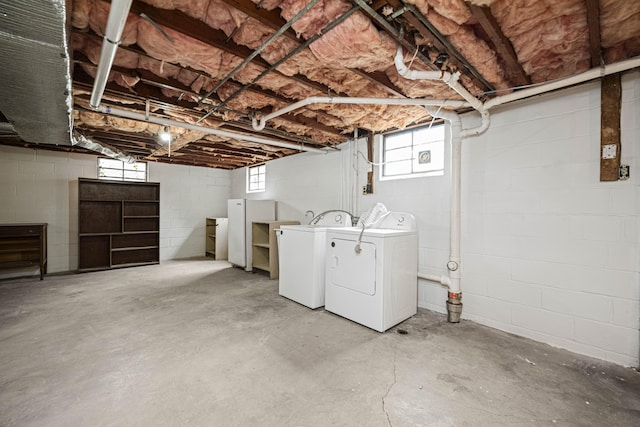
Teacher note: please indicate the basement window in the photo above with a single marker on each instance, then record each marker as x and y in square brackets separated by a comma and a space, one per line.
[413, 153]
[121, 171]
[256, 178]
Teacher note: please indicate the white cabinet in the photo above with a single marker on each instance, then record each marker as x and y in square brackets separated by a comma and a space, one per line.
[216, 238]
[242, 213]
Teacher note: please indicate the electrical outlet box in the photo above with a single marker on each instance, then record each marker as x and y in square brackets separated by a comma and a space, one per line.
[623, 173]
[609, 151]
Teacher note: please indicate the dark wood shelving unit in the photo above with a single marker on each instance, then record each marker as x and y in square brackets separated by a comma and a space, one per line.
[23, 245]
[119, 224]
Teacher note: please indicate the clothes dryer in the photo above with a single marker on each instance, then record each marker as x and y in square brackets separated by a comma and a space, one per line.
[371, 275]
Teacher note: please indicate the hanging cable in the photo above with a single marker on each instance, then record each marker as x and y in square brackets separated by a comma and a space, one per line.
[433, 119]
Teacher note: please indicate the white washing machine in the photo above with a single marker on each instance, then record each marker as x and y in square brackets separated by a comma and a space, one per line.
[301, 252]
[376, 286]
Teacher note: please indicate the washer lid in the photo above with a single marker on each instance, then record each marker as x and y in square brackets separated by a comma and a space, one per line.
[398, 221]
[370, 232]
[304, 228]
[335, 219]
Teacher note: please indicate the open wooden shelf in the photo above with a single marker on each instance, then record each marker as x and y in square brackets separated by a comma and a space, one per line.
[264, 247]
[23, 245]
[216, 238]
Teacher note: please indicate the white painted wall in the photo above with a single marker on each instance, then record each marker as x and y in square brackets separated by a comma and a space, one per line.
[188, 195]
[305, 181]
[548, 251]
[42, 186]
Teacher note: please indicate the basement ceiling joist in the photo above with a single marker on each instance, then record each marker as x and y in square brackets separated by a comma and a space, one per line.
[174, 53]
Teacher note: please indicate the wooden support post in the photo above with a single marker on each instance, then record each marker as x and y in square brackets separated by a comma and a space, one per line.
[610, 146]
[370, 156]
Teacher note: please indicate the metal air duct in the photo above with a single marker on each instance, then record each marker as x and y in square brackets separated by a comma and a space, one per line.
[35, 94]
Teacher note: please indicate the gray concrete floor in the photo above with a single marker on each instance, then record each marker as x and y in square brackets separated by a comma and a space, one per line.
[197, 343]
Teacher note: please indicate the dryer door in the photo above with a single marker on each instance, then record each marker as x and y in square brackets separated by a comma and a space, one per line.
[351, 270]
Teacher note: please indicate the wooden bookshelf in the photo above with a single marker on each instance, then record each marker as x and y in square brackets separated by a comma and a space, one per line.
[119, 224]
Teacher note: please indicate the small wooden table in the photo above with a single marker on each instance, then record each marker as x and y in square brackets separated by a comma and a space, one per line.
[23, 245]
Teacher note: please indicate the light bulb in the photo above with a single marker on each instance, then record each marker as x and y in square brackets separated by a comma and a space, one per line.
[165, 136]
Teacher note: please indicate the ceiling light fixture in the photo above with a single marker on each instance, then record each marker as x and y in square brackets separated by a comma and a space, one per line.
[164, 136]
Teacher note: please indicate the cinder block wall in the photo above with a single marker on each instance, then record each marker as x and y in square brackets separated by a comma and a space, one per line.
[42, 186]
[188, 195]
[306, 181]
[549, 252]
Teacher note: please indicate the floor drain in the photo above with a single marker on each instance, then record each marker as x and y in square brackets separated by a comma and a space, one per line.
[402, 332]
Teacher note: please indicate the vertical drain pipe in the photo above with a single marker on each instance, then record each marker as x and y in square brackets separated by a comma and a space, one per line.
[454, 294]
[454, 297]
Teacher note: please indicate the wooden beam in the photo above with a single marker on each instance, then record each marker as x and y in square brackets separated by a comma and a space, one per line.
[225, 149]
[593, 22]
[380, 79]
[502, 44]
[370, 157]
[273, 20]
[143, 92]
[265, 92]
[610, 146]
[198, 30]
[218, 156]
[270, 18]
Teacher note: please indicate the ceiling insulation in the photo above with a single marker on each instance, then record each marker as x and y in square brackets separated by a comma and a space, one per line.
[218, 65]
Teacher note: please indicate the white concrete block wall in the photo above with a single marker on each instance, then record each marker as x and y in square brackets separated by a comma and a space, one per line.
[39, 186]
[188, 195]
[42, 186]
[549, 252]
[305, 181]
[565, 244]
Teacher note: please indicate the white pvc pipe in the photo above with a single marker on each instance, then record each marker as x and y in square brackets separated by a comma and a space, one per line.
[118, 13]
[443, 280]
[594, 73]
[450, 79]
[227, 134]
[456, 136]
[259, 125]
[416, 74]
[455, 184]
